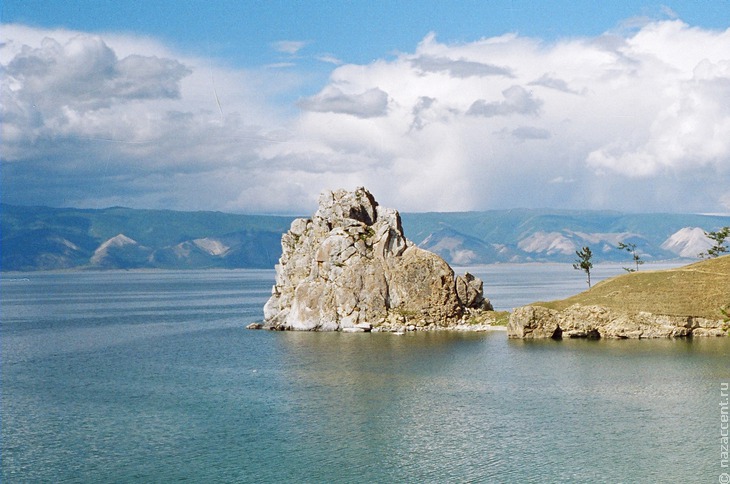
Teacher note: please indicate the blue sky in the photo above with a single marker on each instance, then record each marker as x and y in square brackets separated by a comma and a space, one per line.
[256, 106]
[244, 32]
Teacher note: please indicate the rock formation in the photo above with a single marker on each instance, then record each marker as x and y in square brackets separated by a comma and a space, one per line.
[351, 268]
[470, 291]
[593, 321]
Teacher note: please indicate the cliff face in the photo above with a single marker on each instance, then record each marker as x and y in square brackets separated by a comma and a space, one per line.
[595, 322]
[350, 267]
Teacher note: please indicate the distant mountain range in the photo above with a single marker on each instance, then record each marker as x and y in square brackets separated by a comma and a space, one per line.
[43, 238]
[40, 238]
[524, 235]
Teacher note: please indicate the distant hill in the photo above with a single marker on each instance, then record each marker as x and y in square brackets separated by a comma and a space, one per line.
[41, 238]
[524, 235]
[38, 238]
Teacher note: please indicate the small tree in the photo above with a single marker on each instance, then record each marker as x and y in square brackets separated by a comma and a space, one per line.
[631, 248]
[584, 262]
[718, 247]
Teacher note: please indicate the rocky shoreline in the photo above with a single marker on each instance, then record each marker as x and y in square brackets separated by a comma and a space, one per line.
[478, 321]
[464, 328]
[594, 322]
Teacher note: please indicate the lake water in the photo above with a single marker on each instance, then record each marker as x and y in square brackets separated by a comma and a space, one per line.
[151, 377]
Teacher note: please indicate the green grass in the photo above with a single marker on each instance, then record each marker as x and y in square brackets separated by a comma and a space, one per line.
[495, 318]
[699, 289]
[501, 318]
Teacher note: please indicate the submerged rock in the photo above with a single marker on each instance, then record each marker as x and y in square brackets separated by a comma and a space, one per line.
[350, 267]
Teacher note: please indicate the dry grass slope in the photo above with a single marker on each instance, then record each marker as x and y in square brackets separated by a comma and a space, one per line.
[698, 289]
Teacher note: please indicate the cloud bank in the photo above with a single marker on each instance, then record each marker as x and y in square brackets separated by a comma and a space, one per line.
[634, 121]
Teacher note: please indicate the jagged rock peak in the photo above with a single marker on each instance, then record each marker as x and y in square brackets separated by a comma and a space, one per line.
[350, 268]
[339, 205]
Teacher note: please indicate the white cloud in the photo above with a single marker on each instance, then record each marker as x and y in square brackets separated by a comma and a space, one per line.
[290, 47]
[280, 65]
[690, 131]
[552, 82]
[79, 89]
[368, 104]
[669, 13]
[725, 202]
[329, 59]
[517, 100]
[459, 68]
[634, 121]
[89, 120]
[84, 74]
[530, 132]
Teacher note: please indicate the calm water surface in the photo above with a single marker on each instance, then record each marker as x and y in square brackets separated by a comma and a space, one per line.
[150, 377]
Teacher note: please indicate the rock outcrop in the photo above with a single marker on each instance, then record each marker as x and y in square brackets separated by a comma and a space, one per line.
[595, 322]
[470, 291]
[351, 268]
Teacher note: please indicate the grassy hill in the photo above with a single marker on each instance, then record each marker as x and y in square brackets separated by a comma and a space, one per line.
[698, 289]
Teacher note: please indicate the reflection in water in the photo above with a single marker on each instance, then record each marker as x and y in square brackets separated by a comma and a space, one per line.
[407, 405]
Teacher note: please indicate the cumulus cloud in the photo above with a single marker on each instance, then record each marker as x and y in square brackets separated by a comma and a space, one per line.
[460, 68]
[369, 104]
[89, 120]
[420, 112]
[554, 83]
[530, 132]
[70, 90]
[85, 74]
[635, 120]
[690, 132]
[517, 100]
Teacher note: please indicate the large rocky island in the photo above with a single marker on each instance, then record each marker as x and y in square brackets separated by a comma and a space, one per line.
[351, 268]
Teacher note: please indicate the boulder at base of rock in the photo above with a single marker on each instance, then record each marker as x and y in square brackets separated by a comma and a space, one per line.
[351, 266]
[470, 291]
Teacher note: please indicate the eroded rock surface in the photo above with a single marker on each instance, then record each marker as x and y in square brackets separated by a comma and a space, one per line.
[351, 268]
[579, 321]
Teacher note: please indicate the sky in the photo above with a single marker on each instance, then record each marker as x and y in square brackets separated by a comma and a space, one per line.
[258, 106]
